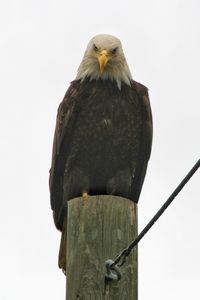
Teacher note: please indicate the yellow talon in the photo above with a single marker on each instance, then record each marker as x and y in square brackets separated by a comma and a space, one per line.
[85, 195]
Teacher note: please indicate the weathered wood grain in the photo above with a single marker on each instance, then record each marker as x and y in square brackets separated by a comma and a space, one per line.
[98, 228]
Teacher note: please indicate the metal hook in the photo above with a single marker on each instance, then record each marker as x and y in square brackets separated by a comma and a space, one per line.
[113, 271]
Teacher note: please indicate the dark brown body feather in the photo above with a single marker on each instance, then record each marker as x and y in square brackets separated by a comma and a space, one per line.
[102, 142]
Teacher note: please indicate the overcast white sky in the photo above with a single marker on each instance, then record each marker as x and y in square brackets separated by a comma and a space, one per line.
[41, 45]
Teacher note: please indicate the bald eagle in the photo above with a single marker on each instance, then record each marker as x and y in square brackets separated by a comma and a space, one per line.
[103, 133]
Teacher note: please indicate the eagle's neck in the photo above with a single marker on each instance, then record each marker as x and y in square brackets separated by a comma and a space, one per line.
[118, 72]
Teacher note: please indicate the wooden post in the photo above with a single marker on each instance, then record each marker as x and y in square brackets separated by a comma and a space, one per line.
[98, 228]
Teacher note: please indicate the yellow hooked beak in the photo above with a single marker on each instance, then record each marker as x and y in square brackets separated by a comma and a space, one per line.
[103, 59]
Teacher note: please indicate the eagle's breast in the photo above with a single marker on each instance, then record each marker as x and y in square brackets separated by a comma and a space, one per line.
[106, 123]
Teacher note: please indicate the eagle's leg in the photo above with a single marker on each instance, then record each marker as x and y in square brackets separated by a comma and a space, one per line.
[76, 183]
[120, 184]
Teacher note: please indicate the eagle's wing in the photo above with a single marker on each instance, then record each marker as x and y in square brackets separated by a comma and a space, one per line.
[63, 131]
[140, 163]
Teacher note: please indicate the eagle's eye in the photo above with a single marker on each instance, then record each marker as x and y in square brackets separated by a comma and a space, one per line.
[113, 51]
[95, 48]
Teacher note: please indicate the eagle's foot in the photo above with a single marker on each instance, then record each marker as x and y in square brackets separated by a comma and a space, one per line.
[85, 195]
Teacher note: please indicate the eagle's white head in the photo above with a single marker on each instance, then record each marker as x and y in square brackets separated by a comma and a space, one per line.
[104, 58]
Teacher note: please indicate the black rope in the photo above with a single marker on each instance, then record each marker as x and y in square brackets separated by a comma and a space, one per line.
[121, 258]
